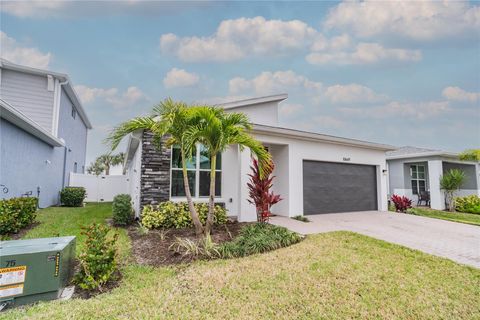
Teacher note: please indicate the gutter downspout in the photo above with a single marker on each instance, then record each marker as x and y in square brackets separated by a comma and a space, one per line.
[65, 147]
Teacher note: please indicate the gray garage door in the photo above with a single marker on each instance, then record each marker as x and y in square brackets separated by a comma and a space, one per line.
[338, 187]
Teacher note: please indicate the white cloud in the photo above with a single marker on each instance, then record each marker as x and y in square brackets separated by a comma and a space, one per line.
[234, 39]
[352, 93]
[73, 9]
[31, 8]
[273, 82]
[419, 20]
[362, 53]
[13, 51]
[458, 94]
[421, 110]
[288, 81]
[328, 122]
[112, 96]
[180, 78]
[290, 109]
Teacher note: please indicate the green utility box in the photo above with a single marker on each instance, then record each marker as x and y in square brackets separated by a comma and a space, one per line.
[35, 269]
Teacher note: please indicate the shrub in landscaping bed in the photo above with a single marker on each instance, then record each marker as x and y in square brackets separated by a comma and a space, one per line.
[72, 196]
[258, 238]
[468, 204]
[401, 203]
[98, 259]
[16, 214]
[176, 215]
[122, 211]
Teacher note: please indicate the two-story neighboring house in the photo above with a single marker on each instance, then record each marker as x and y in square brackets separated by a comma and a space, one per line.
[43, 132]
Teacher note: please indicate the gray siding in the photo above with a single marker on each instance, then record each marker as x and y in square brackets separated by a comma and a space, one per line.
[28, 93]
[27, 163]
[74, 132]
[395, 175]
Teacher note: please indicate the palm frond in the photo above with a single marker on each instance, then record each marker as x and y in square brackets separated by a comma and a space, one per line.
[127, 127]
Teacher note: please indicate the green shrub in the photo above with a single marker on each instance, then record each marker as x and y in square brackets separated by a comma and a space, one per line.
[205, 248]
[98, 261]
[258, 238]
[72, 196]
[468, 204]
[176, 215]
[16, 214]
[122, 211]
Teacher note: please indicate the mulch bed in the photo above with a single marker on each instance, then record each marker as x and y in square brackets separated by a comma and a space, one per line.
[153, 248]
[20, 234]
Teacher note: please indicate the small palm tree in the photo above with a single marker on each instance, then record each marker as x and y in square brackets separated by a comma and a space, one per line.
[95, 168]
[450, 182]
[168, 118]
[216, 129]
[109, 160]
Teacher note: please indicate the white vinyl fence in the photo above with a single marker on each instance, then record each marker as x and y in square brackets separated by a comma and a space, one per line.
[100, 188]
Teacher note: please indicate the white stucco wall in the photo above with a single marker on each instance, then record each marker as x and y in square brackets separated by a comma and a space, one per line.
[133, 174]
[265, 113]
[288, 154]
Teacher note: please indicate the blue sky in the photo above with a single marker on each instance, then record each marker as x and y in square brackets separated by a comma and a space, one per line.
[403, 73]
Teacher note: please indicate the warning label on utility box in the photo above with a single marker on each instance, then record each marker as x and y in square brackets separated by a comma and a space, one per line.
[11, 290]
[12, 275]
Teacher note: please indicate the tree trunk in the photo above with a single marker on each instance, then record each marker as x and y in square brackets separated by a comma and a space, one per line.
[107, 169]
[191, 207]
[211, 203]
[450, 202]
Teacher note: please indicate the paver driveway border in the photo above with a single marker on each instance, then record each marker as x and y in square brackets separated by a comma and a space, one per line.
[456, 241]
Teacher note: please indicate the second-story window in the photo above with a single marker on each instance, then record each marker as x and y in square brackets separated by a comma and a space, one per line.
[74, 113]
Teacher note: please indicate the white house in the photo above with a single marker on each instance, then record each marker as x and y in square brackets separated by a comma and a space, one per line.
[414, 171]
[315, 173]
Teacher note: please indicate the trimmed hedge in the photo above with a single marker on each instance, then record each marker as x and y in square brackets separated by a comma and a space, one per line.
[73, 196]
[122, 211]
[16, 214]
[468, 204]
[176, 215]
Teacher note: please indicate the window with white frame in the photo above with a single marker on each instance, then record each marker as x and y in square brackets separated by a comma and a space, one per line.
[417, 174]
[198, 173]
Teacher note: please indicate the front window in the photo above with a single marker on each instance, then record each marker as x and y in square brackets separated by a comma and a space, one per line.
[417, 173]
[198, 172]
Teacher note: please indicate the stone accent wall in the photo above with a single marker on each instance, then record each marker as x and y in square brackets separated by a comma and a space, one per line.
[155, 175]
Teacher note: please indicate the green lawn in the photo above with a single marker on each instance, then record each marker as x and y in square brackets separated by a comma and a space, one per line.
[326, 276]
[468, 218]
[61, 221]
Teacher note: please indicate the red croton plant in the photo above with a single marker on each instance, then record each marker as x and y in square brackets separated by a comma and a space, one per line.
[259, 191]
[401, 203]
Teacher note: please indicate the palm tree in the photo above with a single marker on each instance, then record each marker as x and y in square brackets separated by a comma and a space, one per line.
[216, 129]
[109, 160]
[450, 182]
[168, 118]
[95, 168]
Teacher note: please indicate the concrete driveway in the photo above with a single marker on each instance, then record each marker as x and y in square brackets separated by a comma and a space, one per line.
[456, 241]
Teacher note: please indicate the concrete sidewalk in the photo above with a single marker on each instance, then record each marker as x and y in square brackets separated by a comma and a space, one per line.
[456, 241]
